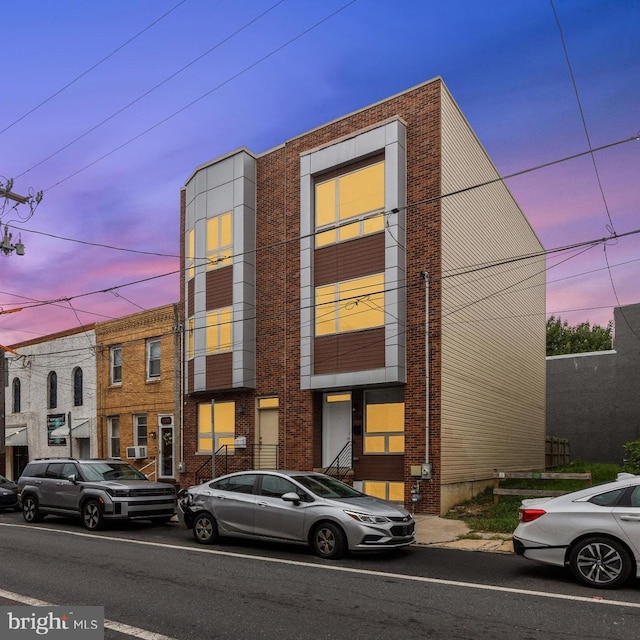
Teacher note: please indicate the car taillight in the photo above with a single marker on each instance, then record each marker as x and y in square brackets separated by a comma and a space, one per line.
[529, 515]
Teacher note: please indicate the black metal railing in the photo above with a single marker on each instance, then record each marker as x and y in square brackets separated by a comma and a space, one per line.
[205, 473]
[265, 456]
[342, 464]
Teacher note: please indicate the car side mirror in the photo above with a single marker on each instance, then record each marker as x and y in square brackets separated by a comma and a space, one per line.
[291, 496]
[72, 478]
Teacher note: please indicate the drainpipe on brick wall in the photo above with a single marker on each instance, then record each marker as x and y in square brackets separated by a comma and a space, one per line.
[425, 277]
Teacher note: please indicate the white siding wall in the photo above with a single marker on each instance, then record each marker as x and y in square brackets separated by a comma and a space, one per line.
[32, 367]
[493, 319]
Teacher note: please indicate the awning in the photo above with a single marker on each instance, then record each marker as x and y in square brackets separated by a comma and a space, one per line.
[15, 436]
[81, 430]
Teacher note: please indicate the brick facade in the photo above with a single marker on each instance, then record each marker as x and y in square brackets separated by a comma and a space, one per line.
[279, 309]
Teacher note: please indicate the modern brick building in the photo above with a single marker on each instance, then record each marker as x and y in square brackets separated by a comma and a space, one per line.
[350, 299]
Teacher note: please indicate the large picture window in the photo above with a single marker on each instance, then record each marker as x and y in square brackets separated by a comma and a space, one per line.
[224, 426]
[351, 305]
[219, 330]
[219, 241]
[346, 205]
[384, 422]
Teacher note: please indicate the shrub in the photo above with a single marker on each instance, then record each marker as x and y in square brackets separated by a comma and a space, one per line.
[631, 462]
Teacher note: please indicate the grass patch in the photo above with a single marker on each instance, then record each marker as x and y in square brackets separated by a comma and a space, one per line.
[481, 514]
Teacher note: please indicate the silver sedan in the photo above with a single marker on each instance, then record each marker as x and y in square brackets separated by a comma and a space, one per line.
[595, 532]
[297, 507]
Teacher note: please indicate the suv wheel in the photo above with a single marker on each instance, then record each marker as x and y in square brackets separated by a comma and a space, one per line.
[92, 517]
[30, 509]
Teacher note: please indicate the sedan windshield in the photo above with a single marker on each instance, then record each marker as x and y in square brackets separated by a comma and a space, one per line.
[326, 487]
[111, 471]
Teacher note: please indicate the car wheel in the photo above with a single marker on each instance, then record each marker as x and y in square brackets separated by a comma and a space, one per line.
[205, 529]
[328, 541]
[600, 562]
[30, 509]
[92, 517]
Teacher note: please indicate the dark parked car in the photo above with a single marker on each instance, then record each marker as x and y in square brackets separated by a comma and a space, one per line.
[8, 494]
[297, 507]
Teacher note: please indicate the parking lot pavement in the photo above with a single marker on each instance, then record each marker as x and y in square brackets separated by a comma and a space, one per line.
[443, 532]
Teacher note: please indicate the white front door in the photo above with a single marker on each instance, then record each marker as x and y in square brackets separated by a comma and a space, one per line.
[336, 425]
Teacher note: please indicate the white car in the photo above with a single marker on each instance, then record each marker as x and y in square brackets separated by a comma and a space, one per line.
[595, 532]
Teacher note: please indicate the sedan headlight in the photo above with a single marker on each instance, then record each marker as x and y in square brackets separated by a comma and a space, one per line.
[367, 518]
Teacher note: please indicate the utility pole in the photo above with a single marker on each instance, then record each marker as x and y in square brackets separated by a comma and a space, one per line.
[6, 192]
[11, 202]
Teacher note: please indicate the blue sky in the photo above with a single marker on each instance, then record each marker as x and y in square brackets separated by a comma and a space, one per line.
[109, 106]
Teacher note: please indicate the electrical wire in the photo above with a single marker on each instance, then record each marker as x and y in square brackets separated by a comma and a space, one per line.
[203, 96]
[91, 68]
[149, 91]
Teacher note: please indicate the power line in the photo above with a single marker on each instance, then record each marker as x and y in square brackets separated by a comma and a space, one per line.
[204, 95]
[91, 68]
[611, 228]
[146, 93]
[429, 200]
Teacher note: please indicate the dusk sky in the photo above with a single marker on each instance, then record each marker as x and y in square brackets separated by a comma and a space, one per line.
[107, 107]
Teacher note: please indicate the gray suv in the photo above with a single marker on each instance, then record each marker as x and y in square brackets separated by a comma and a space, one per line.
[95, 490]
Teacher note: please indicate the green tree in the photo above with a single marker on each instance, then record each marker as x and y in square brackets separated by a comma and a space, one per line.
[562, 339]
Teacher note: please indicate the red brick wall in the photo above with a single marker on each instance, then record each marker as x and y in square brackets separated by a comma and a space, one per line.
[278, 288]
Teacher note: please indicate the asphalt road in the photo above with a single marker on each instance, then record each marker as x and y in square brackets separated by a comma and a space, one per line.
[159, 581]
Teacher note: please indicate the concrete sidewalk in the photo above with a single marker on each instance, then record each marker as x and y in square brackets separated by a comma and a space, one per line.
[442, 532]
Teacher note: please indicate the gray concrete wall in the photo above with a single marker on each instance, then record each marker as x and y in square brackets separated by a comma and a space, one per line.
[594, 398]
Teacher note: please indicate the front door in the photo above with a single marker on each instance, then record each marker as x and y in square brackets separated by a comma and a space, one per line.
[266, 455]
[336, 425]
[165, 452]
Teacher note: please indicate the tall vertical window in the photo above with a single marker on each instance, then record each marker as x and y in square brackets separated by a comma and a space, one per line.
[224, 426]
[190, 339]
[219, 330]
[346, 205]
[190, 258]
[140, 432]
[77, 387]
[219, 241]
[52, 390]
[351, 305]
[15, 388]
[116, 364]
[384, 422]
[113, 426]
[153, 358]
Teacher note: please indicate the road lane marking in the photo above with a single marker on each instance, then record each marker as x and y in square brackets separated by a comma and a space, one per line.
[120, 627]
[600, 600]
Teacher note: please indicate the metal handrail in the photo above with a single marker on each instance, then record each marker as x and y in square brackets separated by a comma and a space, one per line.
[152, 473]
[209, 462]
[342, 463]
